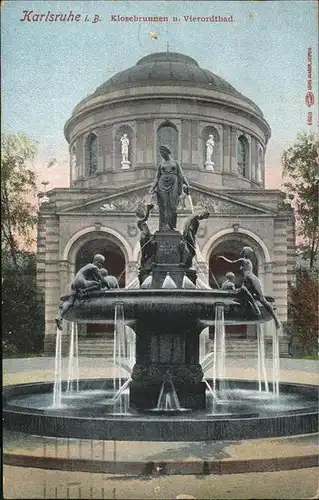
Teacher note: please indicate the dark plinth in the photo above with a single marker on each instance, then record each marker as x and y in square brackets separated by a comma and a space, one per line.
[168, 344]
[167, 247]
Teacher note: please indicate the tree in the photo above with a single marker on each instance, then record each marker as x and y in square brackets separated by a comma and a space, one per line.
[18, 186]
[303, 311]
[22, 306]
[301, 175]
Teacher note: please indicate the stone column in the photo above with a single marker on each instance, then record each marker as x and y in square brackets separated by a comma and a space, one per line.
[186, 140]
[248, 137]
[108, 147]
[233, 151]
[226, 164]
[266, 280]
[203, 272]
[131, 271]
[41, 237]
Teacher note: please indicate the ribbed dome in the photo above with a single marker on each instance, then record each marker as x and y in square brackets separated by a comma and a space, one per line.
[168, 68]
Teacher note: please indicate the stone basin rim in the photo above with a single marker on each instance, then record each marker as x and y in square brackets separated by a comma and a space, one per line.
[162, 292]
[142, 427]
[98, 306]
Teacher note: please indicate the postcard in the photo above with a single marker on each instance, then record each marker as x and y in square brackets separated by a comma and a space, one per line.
[150, 244]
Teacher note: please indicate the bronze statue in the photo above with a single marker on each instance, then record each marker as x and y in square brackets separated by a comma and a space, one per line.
[88, 278]
[187, 248]
[147, 243]
[251, 286]
[229, 282]
[170, 183]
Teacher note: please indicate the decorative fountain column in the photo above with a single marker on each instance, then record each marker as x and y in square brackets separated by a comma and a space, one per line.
[168, 341]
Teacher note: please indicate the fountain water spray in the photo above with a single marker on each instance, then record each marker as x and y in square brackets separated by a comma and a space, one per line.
[168, 399]
[262, 371]
[121, 390]
[130, 346]
[57, 388]
[203, 339]
[275, 361]
[219, 367]
[73, 365]
[119, 344]
[187, 283]
[147, 283]
[169, 282]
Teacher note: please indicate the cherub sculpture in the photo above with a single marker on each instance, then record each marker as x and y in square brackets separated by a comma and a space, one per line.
[229, 282]
[147, 243]
[88, 278]
[251, 286]
[109, 282]
[187, 247]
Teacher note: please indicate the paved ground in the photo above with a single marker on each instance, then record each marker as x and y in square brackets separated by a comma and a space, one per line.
[47, 363]
[25, 483]
[31, 483]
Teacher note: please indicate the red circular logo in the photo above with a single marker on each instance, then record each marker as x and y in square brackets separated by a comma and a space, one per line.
[310, 99]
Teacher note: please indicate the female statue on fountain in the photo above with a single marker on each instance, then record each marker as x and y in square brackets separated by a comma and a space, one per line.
[251, 285]
[169, 185]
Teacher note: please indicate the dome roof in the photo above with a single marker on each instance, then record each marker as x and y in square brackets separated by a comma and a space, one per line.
[168, 68]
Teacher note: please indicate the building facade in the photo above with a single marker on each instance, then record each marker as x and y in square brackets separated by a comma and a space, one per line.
[166, 98]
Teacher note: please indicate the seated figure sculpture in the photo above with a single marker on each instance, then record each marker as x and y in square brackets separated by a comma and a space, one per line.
[147, 243]
[187, 248]
[88, 278]
[251, 287]
[229, 282]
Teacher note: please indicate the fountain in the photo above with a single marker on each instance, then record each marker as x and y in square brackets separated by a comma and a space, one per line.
[161, 390]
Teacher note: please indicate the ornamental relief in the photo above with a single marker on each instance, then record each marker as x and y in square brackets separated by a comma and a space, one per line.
[218, 206]
[131, 202]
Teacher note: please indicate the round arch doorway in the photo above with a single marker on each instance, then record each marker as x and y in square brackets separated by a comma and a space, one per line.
[230, 248]
[114, 263]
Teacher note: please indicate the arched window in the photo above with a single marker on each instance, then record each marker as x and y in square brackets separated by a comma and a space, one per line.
[242, 156]
[167, 135]
[91, 154]
[260, 165]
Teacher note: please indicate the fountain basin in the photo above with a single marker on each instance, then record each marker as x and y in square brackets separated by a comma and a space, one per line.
[249, 415]
[98, 306]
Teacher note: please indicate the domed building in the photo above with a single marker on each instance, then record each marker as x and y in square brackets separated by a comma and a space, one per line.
[218, 135]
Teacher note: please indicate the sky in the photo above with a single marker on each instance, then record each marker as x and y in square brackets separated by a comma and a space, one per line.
[48, 67]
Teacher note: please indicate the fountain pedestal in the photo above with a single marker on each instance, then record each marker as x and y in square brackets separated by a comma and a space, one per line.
[167, 344]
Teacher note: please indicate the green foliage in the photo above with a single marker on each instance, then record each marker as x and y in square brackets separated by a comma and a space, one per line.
[303, 312]
[22, 306]
[301, 176]
[18, 187]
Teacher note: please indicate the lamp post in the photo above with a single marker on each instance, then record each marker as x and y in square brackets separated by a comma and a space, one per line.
[43, 198]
